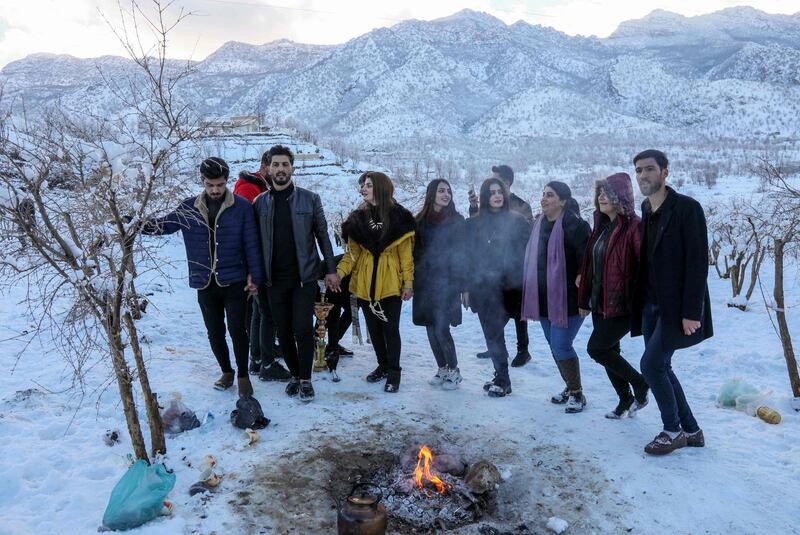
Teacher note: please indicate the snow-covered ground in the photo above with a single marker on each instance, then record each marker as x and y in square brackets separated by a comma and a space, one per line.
[582, 468]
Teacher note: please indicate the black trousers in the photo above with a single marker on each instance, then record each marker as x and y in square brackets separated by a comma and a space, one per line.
[604, 348]
[442, 345]
[262, 330]
[293, 313]
[522, 335]
[341, 315]
[385, 335]
[216, 304]
[493, 317]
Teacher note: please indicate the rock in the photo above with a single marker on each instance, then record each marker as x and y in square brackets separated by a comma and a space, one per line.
[482, 477]
[557, 525]
[449, 464]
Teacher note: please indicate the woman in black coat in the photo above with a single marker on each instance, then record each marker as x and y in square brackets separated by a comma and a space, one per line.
[495, 241]
[438, 264]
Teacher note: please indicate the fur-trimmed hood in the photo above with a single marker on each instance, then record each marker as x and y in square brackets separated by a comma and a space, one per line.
[357, 227]
[619, 190]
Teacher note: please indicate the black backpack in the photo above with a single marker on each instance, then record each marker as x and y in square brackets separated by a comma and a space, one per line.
[248, 414]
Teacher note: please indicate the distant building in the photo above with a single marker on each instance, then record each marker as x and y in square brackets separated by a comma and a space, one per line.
[235, 124]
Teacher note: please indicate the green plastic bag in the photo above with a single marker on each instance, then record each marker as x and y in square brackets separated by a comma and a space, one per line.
[740, 395]
[139, 496]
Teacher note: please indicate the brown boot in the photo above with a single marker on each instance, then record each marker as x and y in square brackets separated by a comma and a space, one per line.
[571, 373]
[664, 444]
[225, 381]
[245, 387]
[696, 439]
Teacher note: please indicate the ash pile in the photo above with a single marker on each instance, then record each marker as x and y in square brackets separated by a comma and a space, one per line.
[437, 491]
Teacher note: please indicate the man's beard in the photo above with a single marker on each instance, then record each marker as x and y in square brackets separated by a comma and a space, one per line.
[281, 179]
[650, 187]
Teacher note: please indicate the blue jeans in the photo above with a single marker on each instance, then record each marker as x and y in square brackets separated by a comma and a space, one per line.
[657, 370]
[561, 339]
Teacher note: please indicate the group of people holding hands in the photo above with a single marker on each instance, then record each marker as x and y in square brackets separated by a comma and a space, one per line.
[643, 276]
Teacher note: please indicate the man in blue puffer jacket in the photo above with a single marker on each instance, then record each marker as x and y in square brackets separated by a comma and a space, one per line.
[225, 263]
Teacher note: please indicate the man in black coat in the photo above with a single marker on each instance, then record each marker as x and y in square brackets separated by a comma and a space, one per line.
[671, 306]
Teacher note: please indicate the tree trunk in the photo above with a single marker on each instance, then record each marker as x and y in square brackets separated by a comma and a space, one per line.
[157, 443]
[125, 385]
[783, 327]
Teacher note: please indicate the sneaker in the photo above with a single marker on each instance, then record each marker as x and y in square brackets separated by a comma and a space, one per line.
[561, 398]
[485, 355]
[522, 358]
[255, 365]
[640, 397]
[498, 391]
[306, 391]
[489, 384]
[575, 403]
[274, 371]
[452, 380]
[621, 410]
[343, 351]
[225, 381]
[293, 388]
[377, 375]
[438, 379]
[664, 444]
[696, 439]
[245, 387]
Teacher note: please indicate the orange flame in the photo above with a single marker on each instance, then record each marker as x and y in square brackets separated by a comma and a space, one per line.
[423, 470]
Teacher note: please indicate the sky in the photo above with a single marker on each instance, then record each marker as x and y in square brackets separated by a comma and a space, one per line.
[78, 28]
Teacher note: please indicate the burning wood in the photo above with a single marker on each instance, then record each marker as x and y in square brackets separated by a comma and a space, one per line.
[422, 473]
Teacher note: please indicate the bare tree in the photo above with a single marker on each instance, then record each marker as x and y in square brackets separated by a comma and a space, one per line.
[739, 243]
[781, 223]
[77, 186]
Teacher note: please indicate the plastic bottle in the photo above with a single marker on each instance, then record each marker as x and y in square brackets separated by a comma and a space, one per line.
[208, 422]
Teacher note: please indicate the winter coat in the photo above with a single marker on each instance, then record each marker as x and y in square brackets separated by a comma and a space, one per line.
[495, 244]
[516, 204]
[438, 271]
[622, 251]
[680, 262]
[250, 186]
[236, 254]
[309, 228]
[370, 280]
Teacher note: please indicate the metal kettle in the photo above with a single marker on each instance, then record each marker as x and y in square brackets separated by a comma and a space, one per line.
[362, 514]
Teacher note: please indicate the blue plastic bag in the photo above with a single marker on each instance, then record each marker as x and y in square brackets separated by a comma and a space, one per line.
[139, 496]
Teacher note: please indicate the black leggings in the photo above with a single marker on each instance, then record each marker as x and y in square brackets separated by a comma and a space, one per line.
[293, 313]
[604, 348]
[493, 317]
[262, 330]
[385, 335]
[216, 303]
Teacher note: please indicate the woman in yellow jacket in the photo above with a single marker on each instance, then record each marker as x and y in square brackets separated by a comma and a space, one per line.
[380, 229]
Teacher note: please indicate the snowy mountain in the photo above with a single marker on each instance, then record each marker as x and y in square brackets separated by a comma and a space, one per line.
[471, 78]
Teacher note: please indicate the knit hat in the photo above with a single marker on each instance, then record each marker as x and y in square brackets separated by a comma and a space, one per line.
[214, 168]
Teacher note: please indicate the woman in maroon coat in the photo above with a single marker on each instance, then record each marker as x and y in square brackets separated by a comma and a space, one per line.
[605, 287]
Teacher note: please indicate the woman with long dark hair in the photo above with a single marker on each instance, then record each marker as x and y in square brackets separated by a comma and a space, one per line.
[605, 287]
[496, 244]
[438, 264]
[379, 257]
[550, 296]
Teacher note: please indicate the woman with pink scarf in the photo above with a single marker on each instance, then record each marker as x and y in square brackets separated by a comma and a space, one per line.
[549, 295]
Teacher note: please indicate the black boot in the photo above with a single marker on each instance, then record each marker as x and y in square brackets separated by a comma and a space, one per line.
[274, 372]
[377, 375]
[392, 381]
[255, 365]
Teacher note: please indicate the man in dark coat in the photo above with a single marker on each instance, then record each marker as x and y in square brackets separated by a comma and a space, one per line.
[291, 224]
[221, 241]
[516, 204]
[671, 305]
